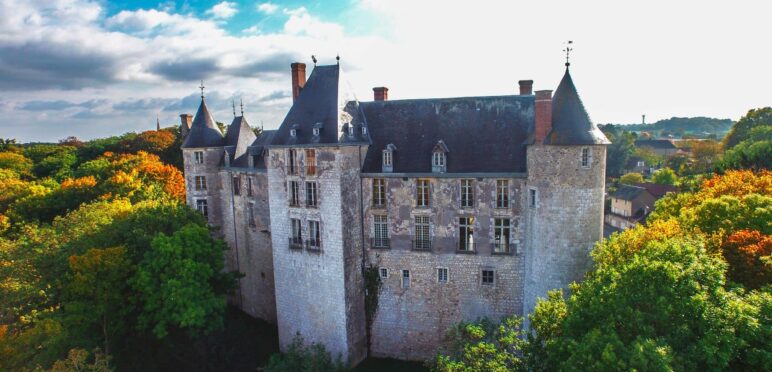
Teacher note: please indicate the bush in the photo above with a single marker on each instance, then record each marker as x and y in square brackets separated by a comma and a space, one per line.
[302, 357]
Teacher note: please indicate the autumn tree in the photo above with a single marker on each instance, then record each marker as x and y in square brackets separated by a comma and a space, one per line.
[749, 254]
[706, 155]
[664, 176]
[631, 178]
[15, 162]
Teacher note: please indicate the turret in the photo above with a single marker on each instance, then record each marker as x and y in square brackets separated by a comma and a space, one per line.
[564, 195]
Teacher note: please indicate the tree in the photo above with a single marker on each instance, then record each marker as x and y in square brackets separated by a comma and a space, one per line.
[302, 357]
[749, 254]
[753, 153]
[17, 163]
[619, 151]
[649, 157]
[631, 178]
[484, 346]
[706, 155]
[742, 129]
[664, 176]
[181, 283]
[78, 360]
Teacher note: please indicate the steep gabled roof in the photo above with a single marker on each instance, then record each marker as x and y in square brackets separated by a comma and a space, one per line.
[240, 136]
[657, 190]
[203, 131]
[628, 192]
[656, 144]
[570, 123]
[485, 134]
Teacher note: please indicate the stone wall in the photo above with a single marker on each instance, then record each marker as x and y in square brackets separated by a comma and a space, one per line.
[411, 323]
[209, 169]
[567, 219]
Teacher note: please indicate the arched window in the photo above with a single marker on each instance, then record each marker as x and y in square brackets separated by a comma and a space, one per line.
[387, 157]
[439, 160]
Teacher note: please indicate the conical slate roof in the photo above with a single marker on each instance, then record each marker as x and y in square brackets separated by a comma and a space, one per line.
[203, 131]
[241, 136]
[570, 123]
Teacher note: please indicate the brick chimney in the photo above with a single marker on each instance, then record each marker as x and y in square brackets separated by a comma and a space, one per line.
[381, 94]
[542, 116]
[186, 120]
[298, 79]
[526, 87]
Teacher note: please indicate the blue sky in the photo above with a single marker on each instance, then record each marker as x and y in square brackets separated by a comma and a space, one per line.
[93, 68]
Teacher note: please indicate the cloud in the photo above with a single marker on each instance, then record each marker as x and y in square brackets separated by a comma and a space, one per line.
[61, 105]
[223, 10]
[301, 22]
[252, 30]
[267, 8]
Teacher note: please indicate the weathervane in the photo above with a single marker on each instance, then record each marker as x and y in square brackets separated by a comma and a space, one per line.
[241, 101]
[568, 50]
[337, 58]
[313, 58]
[233, 104]
[202, 89]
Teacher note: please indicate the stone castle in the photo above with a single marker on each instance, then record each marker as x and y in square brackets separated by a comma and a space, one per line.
[464, 207]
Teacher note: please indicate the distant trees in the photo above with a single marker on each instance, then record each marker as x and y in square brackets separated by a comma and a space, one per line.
[619, 151]
[631, 178]
[664, 176]
[741, 131]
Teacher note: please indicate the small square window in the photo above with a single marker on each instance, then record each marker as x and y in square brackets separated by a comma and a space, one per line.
[293, 132]
[316, 132]
[442, 275]
[532, 202]
[405, 279]
[488, 277]
[199, 157]
[383, 273]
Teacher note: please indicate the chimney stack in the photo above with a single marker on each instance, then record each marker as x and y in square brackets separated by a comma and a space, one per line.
[186, 120]
[542, 116]
[381, 94]
[526, 87]
[298, 79]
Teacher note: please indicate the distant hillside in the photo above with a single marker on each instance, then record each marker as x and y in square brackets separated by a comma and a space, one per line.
[685, 126]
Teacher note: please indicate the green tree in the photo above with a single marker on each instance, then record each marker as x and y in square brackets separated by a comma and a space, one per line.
[181, 282]
[753, 153]
[664, 176]
[742, 129]
[631, 178]
[619, 151]
[302, 357]
[484, 346]
[18, 163]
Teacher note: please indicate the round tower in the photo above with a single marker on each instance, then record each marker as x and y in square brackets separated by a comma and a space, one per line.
[564, 194]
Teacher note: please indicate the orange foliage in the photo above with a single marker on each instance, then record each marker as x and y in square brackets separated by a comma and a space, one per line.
[737, 183]
[744, 251]
[79, 183]
[153, 141]
[131, 170]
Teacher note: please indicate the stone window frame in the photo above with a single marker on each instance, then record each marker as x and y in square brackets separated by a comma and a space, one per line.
[488, 280]
[383, 273]
[443, 275]
[499, 225]
[379, 192]
[585, 156]
[198, 157]
[503, 199]
[236, 183]
[533, 197]
[251, 214]
[312, 194]
[316, 233]
[439, 162]
[466, 229]
[423, 193]
[296, 232]
[422, 232]
[249, 186]
[292, 161]
[380, 231]
[294, 193]
[199, 183]
[467, 192]
[202, 206]
[405, 279]
[310, 162]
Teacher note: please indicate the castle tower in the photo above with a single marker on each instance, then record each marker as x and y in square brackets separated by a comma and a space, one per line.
[202, 153]
[563, 200]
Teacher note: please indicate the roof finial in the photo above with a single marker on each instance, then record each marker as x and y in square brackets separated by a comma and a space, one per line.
[241, 101]
[313, 58]
[202, 89]
[233, 104]
[568, 50]
[337, 58]
[157, 124]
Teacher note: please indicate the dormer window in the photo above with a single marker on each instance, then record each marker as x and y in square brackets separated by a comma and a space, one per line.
[316, 132]
[439, 161]
[388, 158]
[293, 132]
[351, 130]
[364, 131]
[317, 128]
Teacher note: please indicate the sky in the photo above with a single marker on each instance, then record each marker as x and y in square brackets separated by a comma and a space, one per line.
[96, 68]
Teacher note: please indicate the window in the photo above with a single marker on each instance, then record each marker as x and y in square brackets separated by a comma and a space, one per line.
[488, 277]
[296, 240]
[202, 207]
[466, 234]
[501, 235]
[313, 232]
[249, 186]
[585, 157]
[293, 132]
[502, 193]
[294, 193]
[438, 161]
[442, 275]
[384, 273]
[379, 192]
[316, 132]
[640, 163]
[251, 213]
[198, 156]
[422, 193]
[387, 158]
[237, 185]
[351, 130]
[310, 162]
[381, 232]
[200, 182]
[532, 198]
[292, 161]
[467, 193]
[422, 240]
[311, 195]
[405, 279]
[364, 131]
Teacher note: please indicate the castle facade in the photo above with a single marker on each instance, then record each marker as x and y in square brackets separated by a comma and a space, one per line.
[464, 207]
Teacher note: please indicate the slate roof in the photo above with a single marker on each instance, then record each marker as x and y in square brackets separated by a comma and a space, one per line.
[655, 144]
[203, 131]
[482, 134]
[323, 103]
[656, 189]
[240, 136]
[627, 192]
[258, 149]
[570, 123]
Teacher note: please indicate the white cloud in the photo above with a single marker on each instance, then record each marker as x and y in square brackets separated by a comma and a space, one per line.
[223, 10]
[301, 22]
[267, 8]
[252, 30]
